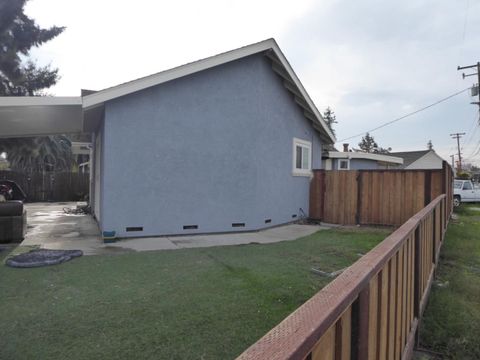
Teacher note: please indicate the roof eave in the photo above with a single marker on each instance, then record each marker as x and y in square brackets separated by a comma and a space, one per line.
[100, 97]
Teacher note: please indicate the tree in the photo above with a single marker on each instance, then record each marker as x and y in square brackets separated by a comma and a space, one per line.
[20, 76]
[45, 153]
[369, 145]
[430, 145]
[18, 34]
[330, 119]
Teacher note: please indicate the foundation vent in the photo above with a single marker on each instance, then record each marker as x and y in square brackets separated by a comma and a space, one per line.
[134, 228]
[190, 227]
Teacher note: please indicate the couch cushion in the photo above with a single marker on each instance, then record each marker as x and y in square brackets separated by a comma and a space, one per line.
[11, 208]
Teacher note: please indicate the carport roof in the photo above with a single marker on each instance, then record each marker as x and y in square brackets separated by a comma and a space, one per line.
[40, 115]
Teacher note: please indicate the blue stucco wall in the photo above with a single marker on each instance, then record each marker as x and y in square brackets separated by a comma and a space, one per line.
[358, 164]
[210, 149]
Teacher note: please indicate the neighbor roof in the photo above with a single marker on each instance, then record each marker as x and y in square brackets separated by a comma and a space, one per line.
[269, 47]
[363, 155]
[410, 157]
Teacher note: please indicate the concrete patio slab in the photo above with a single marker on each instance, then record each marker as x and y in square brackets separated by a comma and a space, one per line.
[51, 228]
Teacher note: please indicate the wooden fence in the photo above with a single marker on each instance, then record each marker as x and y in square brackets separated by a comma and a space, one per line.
[376, 197]
[50, 186]
[373, 309]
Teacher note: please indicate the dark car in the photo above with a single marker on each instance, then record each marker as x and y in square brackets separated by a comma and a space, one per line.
[11, 191]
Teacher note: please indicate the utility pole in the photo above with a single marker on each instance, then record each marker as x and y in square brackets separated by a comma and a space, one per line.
[458, 136]
[476, 87]
[453, 161]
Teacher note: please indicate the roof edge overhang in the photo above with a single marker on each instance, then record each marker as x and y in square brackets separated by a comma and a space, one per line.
[40, 101]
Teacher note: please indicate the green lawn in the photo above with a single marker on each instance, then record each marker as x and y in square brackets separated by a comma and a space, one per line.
[451, 322]
[207, 303]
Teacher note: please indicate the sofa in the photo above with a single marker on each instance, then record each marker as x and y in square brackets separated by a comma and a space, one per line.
[13, 221]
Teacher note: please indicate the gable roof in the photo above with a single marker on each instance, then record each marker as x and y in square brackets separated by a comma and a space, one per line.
[268, 47]
[410, 157]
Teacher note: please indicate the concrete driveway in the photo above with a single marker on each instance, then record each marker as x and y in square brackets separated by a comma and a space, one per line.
[51, 228]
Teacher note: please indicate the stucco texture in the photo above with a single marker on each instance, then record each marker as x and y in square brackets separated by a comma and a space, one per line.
[209, 149]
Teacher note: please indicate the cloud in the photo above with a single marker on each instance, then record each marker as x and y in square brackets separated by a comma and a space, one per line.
[110, 42]
[373, 61]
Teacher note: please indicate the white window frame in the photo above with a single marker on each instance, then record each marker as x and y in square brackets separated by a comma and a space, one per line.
[348, 164]
[304, 144]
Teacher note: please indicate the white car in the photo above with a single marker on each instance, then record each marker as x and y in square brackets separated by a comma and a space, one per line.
[465, 191]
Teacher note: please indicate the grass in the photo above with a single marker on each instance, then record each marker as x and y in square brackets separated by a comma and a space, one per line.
[206, 303]
[451, 323]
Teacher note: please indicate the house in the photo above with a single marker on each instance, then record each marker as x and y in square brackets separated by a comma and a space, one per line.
[356, 160]
[423, 160]
[222, 144]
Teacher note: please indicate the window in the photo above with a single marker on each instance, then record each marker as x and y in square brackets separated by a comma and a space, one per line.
[467, 185]
[302, 157]
[457, 184]
[344, 164]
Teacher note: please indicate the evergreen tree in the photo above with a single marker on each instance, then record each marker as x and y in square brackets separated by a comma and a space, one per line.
[369, 145]
[18, 34]
[330, 119]
[20, 76]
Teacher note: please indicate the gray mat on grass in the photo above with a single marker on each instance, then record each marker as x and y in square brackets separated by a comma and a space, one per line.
[42, 257]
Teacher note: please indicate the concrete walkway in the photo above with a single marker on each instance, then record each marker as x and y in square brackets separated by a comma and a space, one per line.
[50, 227]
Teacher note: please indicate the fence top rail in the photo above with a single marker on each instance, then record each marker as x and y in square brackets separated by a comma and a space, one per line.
[297, 334]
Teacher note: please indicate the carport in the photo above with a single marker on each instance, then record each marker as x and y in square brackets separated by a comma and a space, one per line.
[25, 116]
[41, 116]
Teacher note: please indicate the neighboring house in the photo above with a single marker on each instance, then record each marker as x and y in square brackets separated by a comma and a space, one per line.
[222, 144]
[422, 160]
[350, 160]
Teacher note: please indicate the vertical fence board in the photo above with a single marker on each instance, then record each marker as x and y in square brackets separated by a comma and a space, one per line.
[399, 331]
[391, 307]
[373, 319]
[384, 313]
[325, 349]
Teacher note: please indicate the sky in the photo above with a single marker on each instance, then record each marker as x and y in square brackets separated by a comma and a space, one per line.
[370, 61]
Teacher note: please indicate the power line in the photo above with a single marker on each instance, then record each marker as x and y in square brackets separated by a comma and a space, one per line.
[472, 131]
[474, 152]
[407, 115]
